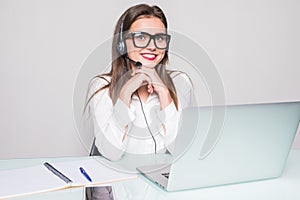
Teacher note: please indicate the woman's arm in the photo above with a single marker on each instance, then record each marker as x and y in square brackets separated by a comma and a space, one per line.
[111, 122]
[185, 95]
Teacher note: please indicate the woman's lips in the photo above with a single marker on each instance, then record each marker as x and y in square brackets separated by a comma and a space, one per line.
[149, 56]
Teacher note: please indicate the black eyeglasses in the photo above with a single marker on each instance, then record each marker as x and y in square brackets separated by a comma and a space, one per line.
[142, 39]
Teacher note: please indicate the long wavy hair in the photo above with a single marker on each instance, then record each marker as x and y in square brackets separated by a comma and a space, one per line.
[120, 66]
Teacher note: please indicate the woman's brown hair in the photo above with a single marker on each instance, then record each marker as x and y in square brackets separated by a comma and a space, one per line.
[120, 66]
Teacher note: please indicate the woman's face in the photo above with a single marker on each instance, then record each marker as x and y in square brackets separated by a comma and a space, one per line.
[150, 55]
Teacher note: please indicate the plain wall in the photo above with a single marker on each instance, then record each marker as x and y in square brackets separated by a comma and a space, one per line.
[253, 44]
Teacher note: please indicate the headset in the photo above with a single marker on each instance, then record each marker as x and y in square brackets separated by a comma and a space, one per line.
[121, 46]
[122, 49]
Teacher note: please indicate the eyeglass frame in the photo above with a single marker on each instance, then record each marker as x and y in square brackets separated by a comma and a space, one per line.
[131, 36]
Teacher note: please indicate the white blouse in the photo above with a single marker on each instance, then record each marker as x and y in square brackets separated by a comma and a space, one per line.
[120, 129]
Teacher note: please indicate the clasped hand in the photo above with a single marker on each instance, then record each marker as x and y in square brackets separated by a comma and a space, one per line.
[141, 77]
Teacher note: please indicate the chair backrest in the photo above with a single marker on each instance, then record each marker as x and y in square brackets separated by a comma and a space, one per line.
[94, 150]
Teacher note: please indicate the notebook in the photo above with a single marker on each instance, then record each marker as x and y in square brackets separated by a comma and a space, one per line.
[228, 144]
[39, 179]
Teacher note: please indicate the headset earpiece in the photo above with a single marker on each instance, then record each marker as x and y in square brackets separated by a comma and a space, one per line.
[121, 46]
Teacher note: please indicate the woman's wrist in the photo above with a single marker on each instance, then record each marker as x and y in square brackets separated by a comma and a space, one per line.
[125, 96]
[164, 98]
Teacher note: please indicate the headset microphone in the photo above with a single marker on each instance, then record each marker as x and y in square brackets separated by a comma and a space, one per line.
[138, 64]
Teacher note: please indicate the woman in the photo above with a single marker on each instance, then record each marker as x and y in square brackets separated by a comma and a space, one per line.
[136, 106]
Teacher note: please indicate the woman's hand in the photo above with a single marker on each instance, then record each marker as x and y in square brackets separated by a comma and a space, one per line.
[149, 77]
[136, 81]
[156, 84]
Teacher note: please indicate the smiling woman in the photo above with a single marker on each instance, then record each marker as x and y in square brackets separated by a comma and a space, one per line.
[135, 107]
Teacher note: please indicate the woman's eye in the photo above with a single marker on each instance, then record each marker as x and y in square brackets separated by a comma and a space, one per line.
[140, 37]
[159, 38]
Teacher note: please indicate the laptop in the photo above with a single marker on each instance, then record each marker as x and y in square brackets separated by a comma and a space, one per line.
[221, 145]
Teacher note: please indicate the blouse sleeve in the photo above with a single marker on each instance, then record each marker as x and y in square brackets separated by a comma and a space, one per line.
[111, 122]
[170, 115]
[184, 89]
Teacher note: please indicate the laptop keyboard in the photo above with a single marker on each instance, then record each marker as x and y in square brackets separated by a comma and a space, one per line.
[166, 175]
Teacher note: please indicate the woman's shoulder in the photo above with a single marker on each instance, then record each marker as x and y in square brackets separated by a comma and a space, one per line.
[100, 80]
[180, 77]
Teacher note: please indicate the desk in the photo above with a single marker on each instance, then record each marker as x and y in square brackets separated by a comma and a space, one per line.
[285, 187]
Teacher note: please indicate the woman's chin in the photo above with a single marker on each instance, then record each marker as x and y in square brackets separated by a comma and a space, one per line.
[149, 65]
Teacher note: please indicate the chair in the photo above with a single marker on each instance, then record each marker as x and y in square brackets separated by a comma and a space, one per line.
[94, 150]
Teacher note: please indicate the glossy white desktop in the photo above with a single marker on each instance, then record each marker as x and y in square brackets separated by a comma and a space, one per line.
[285, 187]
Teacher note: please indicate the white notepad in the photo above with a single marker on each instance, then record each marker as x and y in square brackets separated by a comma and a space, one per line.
[38, 179]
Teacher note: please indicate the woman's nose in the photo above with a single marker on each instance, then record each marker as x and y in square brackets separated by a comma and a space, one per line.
[151, 45]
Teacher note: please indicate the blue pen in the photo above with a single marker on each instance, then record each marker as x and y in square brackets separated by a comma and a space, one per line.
[85, 174]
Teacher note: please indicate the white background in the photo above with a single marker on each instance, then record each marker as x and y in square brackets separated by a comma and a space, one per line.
[254, 45]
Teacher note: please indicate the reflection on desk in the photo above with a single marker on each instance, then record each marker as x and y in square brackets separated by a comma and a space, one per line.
[285, 187]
